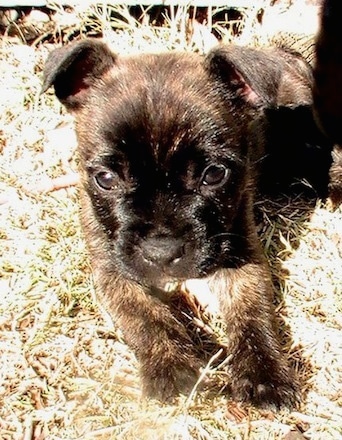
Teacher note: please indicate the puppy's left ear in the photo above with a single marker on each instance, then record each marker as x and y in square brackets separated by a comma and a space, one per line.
[244, 73]
[75, 68]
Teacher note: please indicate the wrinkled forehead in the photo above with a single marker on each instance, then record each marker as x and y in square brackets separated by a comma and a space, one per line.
[156, 107]
[164, 88]
[164, 135]
[153, 140]
[159, 108]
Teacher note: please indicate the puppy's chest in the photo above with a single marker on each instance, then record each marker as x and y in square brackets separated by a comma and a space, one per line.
[193, 303]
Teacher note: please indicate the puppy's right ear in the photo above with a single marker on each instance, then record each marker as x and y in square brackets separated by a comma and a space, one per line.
[75, 68]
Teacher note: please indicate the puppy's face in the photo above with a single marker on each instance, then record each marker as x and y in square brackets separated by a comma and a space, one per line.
[163, 160]
[163, 168]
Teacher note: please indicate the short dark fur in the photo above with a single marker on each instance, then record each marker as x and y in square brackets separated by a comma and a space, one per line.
[328, 70]
[168, 170]
[327, 91]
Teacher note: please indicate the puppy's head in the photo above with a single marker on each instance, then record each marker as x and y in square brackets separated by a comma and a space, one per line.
[164, 155]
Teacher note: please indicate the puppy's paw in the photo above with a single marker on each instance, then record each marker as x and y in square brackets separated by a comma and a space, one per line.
[277, 393]
[167, 382]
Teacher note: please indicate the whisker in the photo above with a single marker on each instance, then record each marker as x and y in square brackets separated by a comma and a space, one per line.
[227, 234]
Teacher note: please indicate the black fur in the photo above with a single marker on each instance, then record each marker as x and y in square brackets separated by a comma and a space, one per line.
[327, 92]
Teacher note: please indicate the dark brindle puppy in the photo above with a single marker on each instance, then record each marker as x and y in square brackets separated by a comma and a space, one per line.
[168, 173]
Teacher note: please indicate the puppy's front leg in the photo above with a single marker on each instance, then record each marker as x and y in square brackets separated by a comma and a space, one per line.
[168, 361]
[260, 371]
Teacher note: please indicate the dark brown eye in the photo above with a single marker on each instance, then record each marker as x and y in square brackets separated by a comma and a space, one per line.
[215, 175]
[105, 180]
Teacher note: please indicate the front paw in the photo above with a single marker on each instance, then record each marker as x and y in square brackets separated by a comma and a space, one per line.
[273, 392]
[166, 381]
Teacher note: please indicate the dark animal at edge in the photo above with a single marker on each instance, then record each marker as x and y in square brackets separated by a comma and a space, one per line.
[327, 90]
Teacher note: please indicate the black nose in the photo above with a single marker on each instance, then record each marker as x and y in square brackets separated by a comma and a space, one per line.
[162, 250]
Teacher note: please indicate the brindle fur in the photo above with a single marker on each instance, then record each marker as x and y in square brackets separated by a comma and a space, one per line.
[155, 122]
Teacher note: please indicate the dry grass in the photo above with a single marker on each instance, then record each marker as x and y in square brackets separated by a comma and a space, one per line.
[65, 372]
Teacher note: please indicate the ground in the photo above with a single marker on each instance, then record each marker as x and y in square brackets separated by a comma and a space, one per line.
[65, 371]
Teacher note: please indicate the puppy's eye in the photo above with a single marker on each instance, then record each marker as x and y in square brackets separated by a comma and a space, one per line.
[215, 175]
[105, 180]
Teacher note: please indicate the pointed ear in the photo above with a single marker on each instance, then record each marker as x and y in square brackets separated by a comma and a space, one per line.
[75, 68]
[243, 71]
